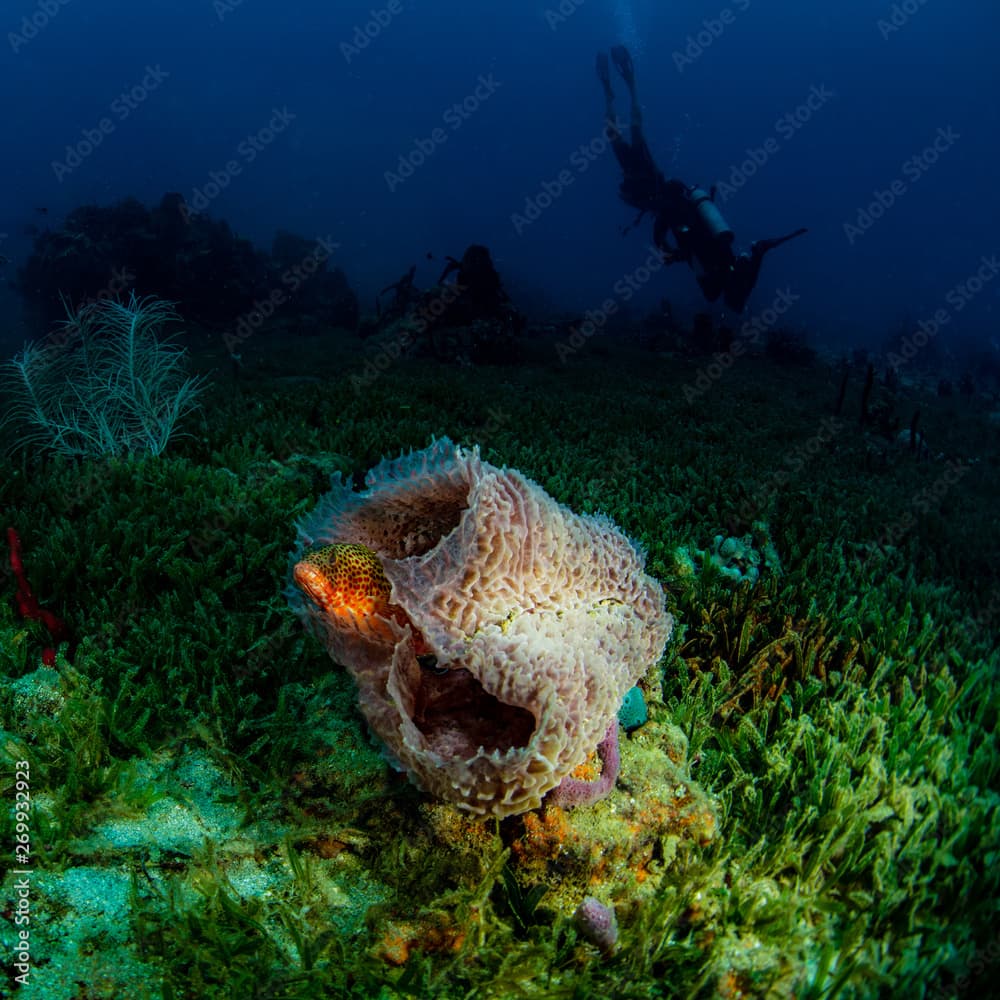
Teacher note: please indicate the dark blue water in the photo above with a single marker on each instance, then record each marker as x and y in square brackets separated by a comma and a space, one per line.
[402, 128]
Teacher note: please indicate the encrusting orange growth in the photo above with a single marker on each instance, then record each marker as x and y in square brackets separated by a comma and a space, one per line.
[589, 770]
[546, 835]
[434, 933]
[346, 580]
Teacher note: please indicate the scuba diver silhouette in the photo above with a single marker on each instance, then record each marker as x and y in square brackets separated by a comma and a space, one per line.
[702, 237]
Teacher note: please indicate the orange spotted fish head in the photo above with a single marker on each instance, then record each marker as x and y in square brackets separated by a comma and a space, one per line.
[342, 578]
[347, 583]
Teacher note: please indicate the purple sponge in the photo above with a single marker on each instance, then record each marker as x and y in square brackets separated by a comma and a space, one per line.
[598, 924]
[572, 792]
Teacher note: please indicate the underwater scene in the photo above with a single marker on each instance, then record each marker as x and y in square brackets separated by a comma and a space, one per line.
[499, 500]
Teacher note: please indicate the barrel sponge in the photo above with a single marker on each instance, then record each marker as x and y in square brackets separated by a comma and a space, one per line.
[522, 624]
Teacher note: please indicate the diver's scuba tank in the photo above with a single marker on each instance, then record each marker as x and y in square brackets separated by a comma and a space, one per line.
[710, 216]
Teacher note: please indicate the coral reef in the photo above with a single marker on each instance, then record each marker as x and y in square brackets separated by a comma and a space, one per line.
[466, 317]
[213, 275]
[810, 811]
[533, 623]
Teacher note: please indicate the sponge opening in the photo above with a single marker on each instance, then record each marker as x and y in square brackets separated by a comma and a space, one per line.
[458, 717]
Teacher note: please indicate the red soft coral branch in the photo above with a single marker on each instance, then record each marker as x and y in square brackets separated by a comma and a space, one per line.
[27, 604]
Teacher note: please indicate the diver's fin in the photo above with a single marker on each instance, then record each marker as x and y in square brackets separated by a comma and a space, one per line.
[761, 247]
[623, 62]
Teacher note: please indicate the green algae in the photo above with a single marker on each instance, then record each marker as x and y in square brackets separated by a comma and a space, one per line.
[200, 752]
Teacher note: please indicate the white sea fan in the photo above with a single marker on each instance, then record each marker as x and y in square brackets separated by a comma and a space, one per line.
[109, 382]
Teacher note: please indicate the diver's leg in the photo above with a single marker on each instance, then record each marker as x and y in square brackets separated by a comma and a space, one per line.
[610, 119]
[614, 135]
[623, 63]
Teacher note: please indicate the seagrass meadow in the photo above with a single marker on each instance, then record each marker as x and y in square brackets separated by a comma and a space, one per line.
[810, 811]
